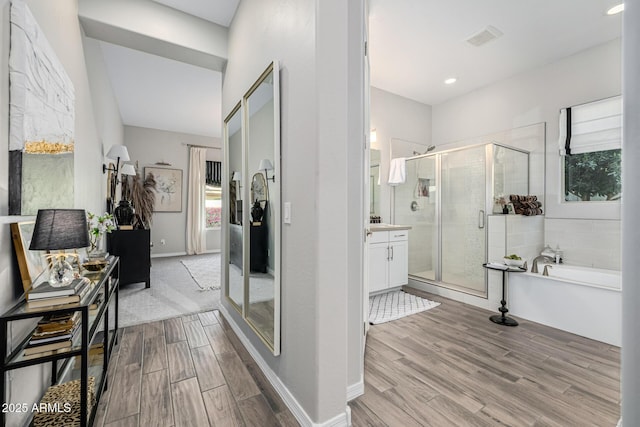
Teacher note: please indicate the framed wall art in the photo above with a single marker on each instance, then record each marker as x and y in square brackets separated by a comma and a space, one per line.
[168, 188]
[41, 120]
[32, 264]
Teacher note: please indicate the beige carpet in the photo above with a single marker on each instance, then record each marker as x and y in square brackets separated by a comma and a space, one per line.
[173, 292]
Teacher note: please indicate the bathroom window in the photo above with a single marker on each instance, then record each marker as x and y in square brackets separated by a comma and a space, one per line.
[213, 206]
[590, 149]
[594, 176]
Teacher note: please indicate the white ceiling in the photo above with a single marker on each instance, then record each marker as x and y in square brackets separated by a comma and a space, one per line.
[218, 11]
[160, 93]
[416, 44]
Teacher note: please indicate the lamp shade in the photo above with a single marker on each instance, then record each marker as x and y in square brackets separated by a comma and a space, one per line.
[128, 169]
[265, 164]
[118, 151]
[236, 176]
[57, 229]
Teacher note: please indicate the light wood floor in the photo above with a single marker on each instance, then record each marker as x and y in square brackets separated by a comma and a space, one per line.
[451, 366]
[187, 371]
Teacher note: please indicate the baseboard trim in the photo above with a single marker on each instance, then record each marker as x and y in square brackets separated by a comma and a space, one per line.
[340, 420]
[168, 254]
[355, 390]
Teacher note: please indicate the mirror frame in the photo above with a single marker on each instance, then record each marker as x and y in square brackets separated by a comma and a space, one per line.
[275, 210]
[226, 181]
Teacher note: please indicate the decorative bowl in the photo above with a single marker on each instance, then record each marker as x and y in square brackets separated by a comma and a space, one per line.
[95, 265]
[514, 262]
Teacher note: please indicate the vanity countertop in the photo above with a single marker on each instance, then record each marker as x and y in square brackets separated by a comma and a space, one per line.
[388, 227]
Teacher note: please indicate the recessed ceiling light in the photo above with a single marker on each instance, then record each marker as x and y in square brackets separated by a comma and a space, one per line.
[450, 81]
[616, 9]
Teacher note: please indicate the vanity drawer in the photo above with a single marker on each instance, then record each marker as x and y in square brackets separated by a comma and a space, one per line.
[379, 237]
[398, 235]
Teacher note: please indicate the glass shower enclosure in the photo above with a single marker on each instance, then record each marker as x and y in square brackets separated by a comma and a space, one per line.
[445, 199]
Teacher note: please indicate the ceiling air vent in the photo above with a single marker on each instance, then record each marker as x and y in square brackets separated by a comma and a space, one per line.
[484, 36]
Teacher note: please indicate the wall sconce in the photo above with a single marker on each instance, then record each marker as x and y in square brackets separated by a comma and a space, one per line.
[117, 152]
[374, 135]
[125, 191]
[128, 169]
[265, 165]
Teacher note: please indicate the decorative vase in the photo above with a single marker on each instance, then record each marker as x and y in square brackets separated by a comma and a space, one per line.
[505, 210]
[94, 251]
[257, 212]
[124, 213]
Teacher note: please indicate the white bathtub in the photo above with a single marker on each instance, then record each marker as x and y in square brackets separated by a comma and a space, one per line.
[581, 300]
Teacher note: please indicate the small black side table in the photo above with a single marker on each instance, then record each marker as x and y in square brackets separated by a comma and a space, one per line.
[502, 319]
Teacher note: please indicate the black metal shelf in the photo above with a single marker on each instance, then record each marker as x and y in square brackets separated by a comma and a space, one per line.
[73, 363]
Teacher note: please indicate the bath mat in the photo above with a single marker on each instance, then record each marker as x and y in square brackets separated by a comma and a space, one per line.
[395, 305]
[205, 270]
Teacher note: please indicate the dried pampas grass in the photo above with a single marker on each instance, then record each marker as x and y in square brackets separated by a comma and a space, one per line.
[143, 197]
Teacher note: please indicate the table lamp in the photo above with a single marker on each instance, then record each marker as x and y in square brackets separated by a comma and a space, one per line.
[57, 230]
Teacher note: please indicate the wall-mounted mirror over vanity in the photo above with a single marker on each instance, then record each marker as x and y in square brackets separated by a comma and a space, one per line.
[252, 147]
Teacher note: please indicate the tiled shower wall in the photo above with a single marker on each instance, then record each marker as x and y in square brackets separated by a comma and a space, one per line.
[586, 242]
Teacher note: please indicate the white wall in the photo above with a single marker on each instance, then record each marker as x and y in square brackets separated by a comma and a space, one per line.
[630, 220]
[401, 119]
[97, 120]
[586, 242]
[148, 146]
[320, 253]
[534, 97]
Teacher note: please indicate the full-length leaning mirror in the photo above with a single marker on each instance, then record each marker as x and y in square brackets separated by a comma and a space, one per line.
[253, 286]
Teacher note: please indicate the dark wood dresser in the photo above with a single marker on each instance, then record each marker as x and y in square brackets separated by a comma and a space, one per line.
[134, 249]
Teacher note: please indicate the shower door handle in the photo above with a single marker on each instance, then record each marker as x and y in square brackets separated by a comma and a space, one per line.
[481, 219]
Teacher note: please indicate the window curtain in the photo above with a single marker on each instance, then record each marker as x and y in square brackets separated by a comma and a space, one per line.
[595, 126]
[196, 243]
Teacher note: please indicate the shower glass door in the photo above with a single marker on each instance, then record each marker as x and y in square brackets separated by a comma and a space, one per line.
[415, 205]
[463, 201]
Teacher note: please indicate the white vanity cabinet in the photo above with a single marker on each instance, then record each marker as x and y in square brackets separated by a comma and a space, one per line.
[388, 258]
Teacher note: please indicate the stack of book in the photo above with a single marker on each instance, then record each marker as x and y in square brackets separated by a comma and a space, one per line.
[54, 333]
[45, 295]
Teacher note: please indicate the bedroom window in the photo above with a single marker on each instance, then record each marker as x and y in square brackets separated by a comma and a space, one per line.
[213, 194]
[213, 206]
[591, 151]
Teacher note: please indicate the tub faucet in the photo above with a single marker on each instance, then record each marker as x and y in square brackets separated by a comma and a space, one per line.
[544, 258]
[545, 272]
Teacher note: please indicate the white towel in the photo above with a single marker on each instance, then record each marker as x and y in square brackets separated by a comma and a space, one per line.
[397, 171]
